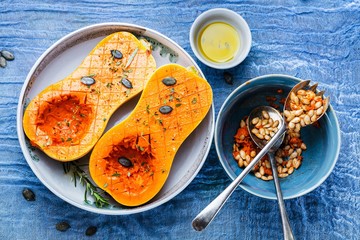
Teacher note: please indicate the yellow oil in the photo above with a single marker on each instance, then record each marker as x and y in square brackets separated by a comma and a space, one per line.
[219, 42]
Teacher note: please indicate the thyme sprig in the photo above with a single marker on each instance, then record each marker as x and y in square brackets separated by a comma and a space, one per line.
[90, 189]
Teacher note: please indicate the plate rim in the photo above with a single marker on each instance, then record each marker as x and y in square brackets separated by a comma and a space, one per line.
[20, 108]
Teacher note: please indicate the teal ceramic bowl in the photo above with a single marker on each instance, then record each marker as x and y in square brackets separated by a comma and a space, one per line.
[323, 143]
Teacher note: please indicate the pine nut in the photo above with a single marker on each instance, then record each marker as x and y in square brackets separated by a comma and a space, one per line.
[305, 101]
[307, 119]
[267, 164]
[252, 154]
[286, 113]
[265, 114]
[296, 120]
[262, 171]
[259, 136]
[264, 178]
[317, 105]
[291, 125]
[319, 111]
[289, 163]
[255, 131]
[301, 92]
[298, 112]
[293, 155]
[264, 122]
[258, 175]
[240, 162]
[237, 157]
[275, 124]
[313, 118]
[279, 160]
[296, 163]
[242, 123]
[303, 146]
[291, 170]
[246, 164]
[284, 170]
[279, 169]
[242, 154]
[283, 175]
[270, 177]
[254, 121]
[310, 113]
[248, 158]
[299, 151]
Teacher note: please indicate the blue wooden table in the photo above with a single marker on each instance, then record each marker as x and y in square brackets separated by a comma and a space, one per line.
[319, 40]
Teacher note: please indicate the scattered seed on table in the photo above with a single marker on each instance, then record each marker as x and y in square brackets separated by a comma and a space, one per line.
[28, 194]
[228, 78]
[3, 62]
[7, 55]
[62, 226]
[90, 231]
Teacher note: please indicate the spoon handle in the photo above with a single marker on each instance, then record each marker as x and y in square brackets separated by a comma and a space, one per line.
[203, 219]
[288, 235]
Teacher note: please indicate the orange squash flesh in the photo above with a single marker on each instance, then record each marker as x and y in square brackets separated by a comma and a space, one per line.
[148, 138]
[67, 118]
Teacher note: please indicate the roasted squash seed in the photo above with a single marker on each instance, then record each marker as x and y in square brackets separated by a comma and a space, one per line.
[28, 194]
[90, 231]
[62, 226]
[116, 54]
[125, 162]
[87, 80]
[165, 109]
[169, 81]
[126, 83]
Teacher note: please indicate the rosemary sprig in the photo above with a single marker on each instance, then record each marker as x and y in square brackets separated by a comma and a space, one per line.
[90, 188]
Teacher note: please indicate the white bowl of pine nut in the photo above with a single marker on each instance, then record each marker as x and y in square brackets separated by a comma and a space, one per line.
[305, 159]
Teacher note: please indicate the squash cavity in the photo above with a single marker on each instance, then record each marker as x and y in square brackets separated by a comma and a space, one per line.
[133, 159]
[67, 118]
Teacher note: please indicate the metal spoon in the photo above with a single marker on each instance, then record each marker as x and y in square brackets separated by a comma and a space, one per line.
[305, 85]
[202, 220]
[261, 143]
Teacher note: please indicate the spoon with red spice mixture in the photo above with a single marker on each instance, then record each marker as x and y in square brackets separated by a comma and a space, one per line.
[262, 123]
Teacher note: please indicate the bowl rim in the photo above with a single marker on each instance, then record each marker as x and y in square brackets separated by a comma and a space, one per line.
[222, 161]
[243, 29]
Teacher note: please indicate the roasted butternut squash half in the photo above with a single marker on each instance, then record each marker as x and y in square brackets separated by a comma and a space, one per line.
[132, 160]
[67, 118]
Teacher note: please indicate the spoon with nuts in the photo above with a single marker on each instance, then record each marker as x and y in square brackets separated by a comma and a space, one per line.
[262, 124]
[304, 105]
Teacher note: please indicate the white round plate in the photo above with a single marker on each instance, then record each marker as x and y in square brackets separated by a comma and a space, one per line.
[60, 60]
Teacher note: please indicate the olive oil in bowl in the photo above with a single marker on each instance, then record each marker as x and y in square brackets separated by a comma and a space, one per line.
[219, 42]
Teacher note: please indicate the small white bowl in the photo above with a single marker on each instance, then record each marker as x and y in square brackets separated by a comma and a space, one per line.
[226, 16]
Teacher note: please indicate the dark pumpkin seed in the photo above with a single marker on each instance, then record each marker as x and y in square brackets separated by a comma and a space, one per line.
[228, 78]
[165, 109]
[90, 231]
[7, 55]
[116, 54]
[126, 83]
[169, 81]
[88, 80]
[28, 194]
[62, 226]
[125, 162]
